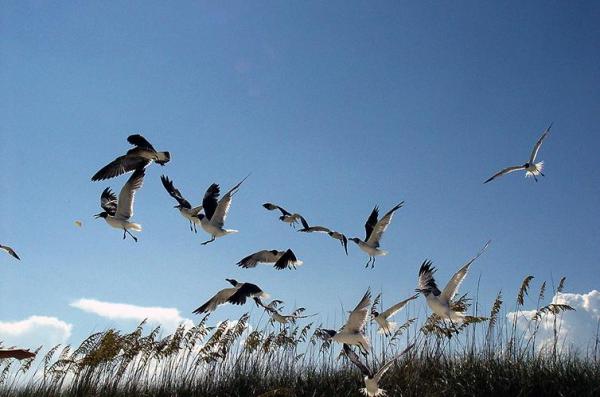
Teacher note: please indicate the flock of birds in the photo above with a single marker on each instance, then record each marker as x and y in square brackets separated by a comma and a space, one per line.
[211, 216]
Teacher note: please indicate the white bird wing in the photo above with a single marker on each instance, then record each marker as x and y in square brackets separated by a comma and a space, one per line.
[536, 148]
[454, 283]
[127, 194]
[381, 226]
[398, 306]
[505, 171]
[218, 218]
[358, 316]
[386, 366]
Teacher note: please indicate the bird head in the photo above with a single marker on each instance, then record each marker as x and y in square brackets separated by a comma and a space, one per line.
[232, 281]
[200, 216]
[526, 165]
[355, 239]
[374, 314]
[178, 206]
[103, 214]
[327, 333]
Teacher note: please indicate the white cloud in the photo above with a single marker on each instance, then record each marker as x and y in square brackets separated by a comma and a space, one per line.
[168, 318]
[576, 329]
[35, 331]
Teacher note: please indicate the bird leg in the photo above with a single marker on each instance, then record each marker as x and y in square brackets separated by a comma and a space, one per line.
[373, 263]
[542, 174]
[195, 230]
[368, 262]
[191, 229]
[535, 178]
[128, 232]
[209, 241]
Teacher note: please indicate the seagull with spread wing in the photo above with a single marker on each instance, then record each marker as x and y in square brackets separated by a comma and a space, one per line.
[440, 302]
[372, 379]
[215, 211]
[375, 228]
[531, 168]
[139, 157]
[118, 213]
[236, 295]
[185, 208]
[287, 217]
[281, 259]
[353, 332]
[322, 229]
[10, 251]
[282, 319]
[387, 327]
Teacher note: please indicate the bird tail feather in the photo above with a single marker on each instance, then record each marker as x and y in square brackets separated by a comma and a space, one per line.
[539, 167]
[391, 327]
[135, 226]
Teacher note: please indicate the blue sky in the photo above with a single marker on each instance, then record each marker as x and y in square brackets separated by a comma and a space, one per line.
[333, 108]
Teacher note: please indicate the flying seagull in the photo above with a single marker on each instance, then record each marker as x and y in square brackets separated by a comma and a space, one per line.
[118, 213]
[281, 259]
[322, 229]
[440, 301]
[352, 333]
[139, 157]
[215, 211]
[531, 168]
[185, 208]
[10, 251]
[375, 229]
[271, 308]
[387, 327]
[236, 295]
[19, 354]
[287, 217]
[371, 379]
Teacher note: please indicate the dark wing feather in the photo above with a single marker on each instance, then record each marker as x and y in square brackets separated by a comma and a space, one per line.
[286, 260]
[245, 291]
[140, 141]
[272, 207]
[356, 361]
[10, 251]
[345, 243]
[211, 200]
[371, 222]
[108, 201]
[119, 166]
[426, 282]
[174, 192]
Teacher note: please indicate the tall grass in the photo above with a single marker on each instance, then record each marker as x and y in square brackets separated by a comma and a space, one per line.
[484, 356]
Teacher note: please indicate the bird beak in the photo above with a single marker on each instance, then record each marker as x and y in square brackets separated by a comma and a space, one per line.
[97, 215]
[175, 206]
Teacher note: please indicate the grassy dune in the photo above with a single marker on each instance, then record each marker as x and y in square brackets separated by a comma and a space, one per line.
[486, 356]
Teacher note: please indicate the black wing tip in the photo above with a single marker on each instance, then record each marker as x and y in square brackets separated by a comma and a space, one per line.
[201, 309]
[488, 180]
[237, 300]
[427, 267]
